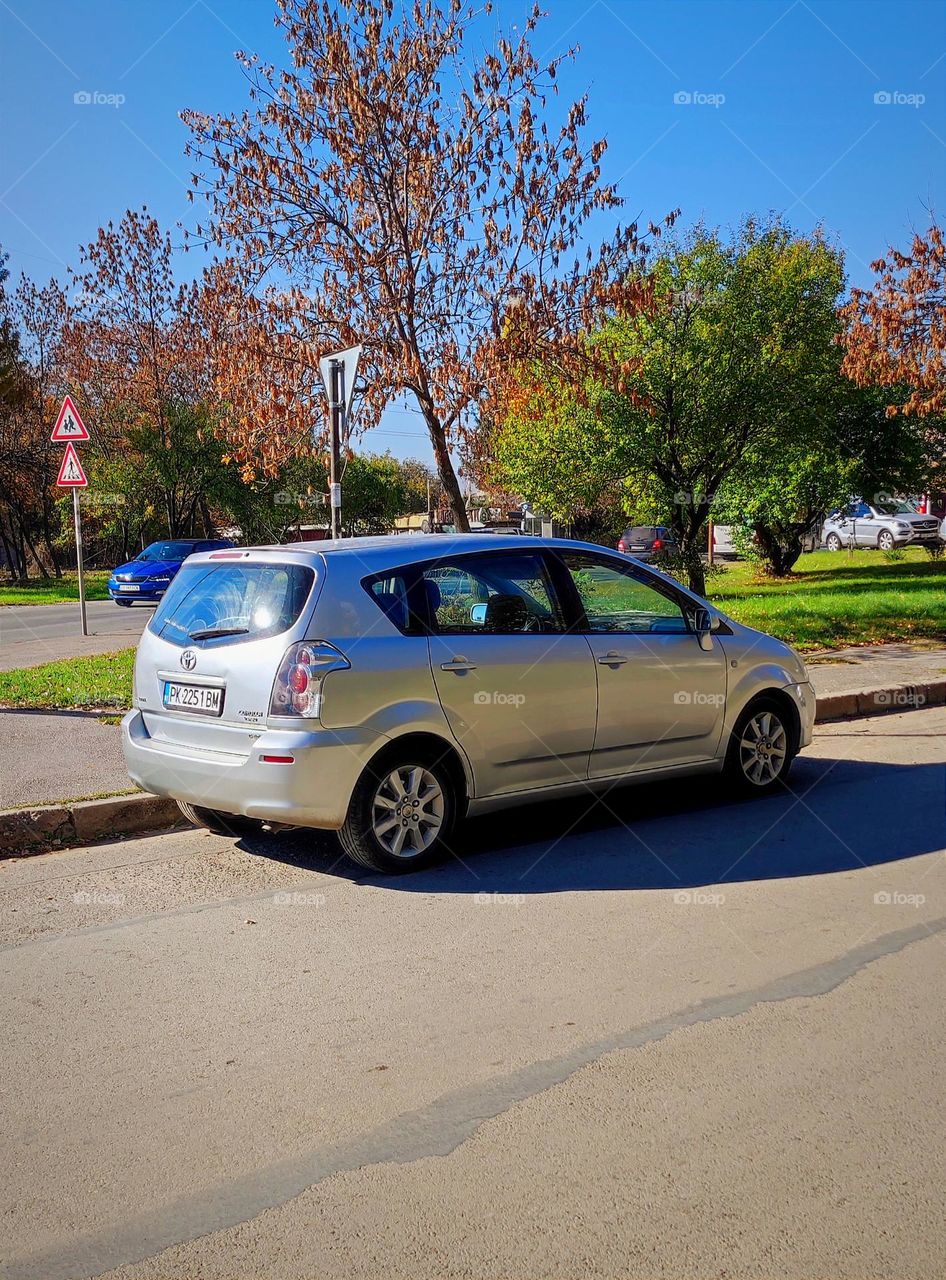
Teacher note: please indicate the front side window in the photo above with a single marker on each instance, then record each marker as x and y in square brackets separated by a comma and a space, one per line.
[497, 594]
[232, 602]
[624, 603]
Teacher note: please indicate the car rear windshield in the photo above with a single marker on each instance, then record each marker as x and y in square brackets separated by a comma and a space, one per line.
[230, 603]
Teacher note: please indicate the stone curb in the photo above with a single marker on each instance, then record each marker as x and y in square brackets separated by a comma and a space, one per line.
[39, 830]
[880, 700]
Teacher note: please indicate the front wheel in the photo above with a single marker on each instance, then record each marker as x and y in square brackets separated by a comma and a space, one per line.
[761, 749]
[885, 540]
[401, 814]
[833, 542]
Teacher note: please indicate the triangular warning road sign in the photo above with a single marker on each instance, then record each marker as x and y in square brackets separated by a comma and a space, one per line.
[69, 426]
[71, 475]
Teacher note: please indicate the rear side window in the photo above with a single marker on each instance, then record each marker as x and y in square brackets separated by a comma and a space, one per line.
[392, 594]
[231, 603]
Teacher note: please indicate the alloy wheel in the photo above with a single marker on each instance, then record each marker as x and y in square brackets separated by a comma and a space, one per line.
[407, 811]
[763, 748]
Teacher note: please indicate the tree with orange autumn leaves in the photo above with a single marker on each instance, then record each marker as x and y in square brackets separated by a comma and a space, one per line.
[390, 187]
[895, 333]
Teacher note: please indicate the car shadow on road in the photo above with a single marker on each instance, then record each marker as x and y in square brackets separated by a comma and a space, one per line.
[836, 815]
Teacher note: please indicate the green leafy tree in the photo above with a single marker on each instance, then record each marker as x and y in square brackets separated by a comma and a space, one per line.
[735, 356]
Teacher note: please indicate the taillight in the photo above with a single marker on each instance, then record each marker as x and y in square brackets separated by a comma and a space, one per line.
[658, 543]
[298, 687]
[621, 546]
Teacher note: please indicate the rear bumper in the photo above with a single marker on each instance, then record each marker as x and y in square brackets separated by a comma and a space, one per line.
[312, 791]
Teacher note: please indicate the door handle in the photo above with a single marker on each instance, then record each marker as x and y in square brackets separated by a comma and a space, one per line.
[458, 664]
[612, 659]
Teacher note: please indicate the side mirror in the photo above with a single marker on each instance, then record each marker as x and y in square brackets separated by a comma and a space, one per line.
[478, 614]
[703, 626]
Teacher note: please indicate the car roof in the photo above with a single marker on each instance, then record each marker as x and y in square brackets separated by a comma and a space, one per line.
[389, 549]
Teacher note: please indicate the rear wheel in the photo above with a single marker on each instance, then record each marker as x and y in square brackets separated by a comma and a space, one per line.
[761, 749]
[221, 824]
[401, 814]
[833, 542]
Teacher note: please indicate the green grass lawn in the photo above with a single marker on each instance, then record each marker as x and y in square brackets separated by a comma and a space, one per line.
[101, 680]
[62, 590]
[836, 598]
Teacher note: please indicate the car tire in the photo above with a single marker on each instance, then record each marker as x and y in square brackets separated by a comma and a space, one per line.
[755, 773]
[378, 815]
[833, 542]
[221, 824]
[885, 540]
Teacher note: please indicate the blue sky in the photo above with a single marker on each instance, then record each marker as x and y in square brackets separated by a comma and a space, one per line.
[829, 111]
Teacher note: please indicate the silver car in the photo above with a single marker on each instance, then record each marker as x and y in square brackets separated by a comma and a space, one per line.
[888, 524]
[386, 688]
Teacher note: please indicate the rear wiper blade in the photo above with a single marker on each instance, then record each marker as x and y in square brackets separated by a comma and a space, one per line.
[209, 633]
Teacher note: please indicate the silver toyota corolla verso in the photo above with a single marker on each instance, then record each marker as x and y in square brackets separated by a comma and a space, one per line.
[387, 687]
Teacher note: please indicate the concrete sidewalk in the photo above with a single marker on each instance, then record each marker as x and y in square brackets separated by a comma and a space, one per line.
[874, 666]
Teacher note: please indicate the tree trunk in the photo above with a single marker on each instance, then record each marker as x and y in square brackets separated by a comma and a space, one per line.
[687, 526]
[448, 477]
[779, 551]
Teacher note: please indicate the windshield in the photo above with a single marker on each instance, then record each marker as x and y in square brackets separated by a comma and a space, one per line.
[895, 507]
[232, 602]
[167, 551]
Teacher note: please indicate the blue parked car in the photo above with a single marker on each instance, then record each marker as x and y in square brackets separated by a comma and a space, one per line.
[148, 576]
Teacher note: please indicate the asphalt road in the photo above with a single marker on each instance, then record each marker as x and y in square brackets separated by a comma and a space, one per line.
[667, 1036]
[35, 633]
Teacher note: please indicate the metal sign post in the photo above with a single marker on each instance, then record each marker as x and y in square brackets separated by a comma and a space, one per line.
[76, 511]
[338, 376]
[337, 407]
[69, 427]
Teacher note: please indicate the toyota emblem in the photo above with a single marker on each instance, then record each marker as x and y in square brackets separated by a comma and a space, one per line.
[189, 659]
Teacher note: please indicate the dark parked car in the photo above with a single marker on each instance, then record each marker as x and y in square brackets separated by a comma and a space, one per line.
[148, 576]
[643, 541]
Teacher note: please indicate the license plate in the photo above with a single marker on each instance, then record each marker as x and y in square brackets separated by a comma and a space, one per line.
[197, 698]
[129, 586]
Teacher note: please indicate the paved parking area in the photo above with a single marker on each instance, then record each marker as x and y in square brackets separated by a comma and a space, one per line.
[663, 1036]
